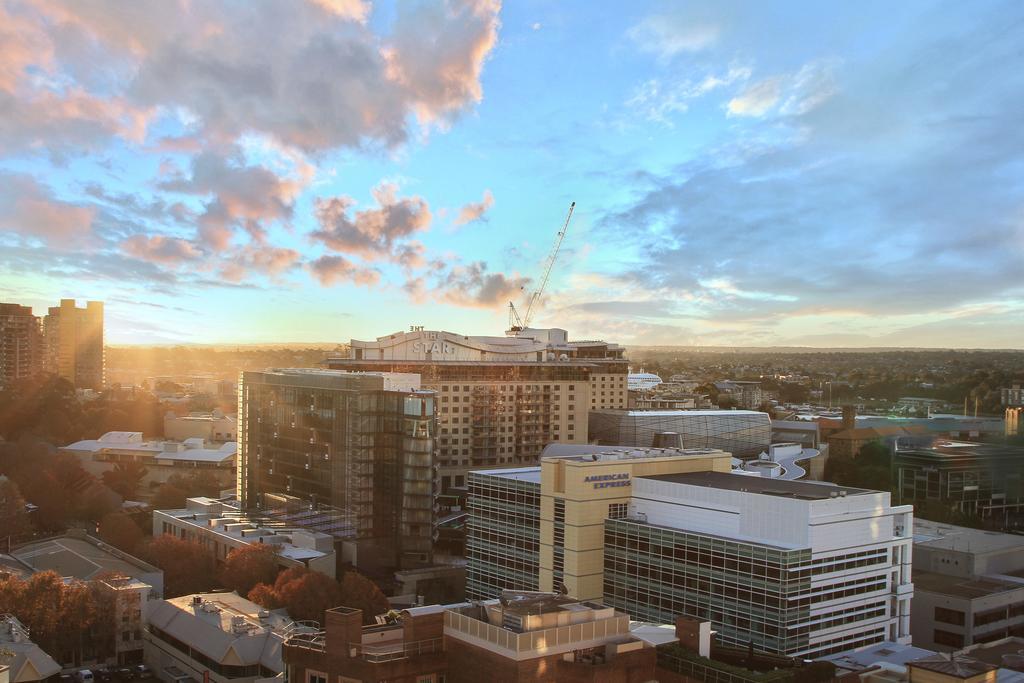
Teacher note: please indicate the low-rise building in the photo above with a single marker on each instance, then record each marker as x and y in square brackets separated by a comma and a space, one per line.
[80, 556]
[214, 427]
[521, 637]
[216, 637]
[974, 479]
[130, 599]
[743, 433]
[161, 458]
[26, 661]
[969, 586]
[222, 527]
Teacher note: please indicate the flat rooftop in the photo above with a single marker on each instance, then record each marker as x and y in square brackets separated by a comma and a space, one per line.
[960, 587]
[586, 452]
[680, 413]
[976, 541]
[866, 657]
[802, 490]
[529, 474]
[82, 558]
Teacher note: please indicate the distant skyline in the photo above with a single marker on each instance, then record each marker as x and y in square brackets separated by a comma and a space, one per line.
[746, 174]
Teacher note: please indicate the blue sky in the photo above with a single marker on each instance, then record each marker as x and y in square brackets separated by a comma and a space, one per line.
[821, 174]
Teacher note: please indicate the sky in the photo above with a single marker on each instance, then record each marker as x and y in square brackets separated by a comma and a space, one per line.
[748, 174]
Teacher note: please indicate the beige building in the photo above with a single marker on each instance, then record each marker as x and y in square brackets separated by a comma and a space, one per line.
[214, 427]
[74, 342]
[501, 400]
[579, 492]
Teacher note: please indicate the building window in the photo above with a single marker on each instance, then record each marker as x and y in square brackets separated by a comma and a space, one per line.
[950, 616]
[315, 676]
[618, 510]
[947, 638]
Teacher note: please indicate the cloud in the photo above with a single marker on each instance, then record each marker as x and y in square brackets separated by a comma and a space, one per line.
[796, 94]
[475, 211]
[757, 98]
[472, 285]
[437, 53]
[658, 100]
[250, 260]
[161, 249]
[372, 233]
[239, 194]
[331, 270]
[29, 208]
[310, 75]
[668, 35]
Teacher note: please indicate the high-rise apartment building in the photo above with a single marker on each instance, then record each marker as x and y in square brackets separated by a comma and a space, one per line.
[21, 344]
[501, 400]
[796, 568]
[359, 444]
[74, 343]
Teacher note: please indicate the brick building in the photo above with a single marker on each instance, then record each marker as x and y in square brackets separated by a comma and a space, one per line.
[521, 637]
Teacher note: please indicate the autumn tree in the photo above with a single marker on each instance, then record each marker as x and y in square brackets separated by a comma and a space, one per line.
[14, 521]
[361, 593]
[188, 568]
[120, 531]
[248, 566]
[125, 478]
[303, 593]
[169, 497]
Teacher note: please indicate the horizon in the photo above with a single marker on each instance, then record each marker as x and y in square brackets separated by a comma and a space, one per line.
[256, 175]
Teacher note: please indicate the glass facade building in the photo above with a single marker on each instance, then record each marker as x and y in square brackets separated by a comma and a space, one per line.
[744, 433]
[752, 593]
[503, 535]
[359, 444]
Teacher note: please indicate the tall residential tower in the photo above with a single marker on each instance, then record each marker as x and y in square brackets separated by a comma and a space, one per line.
[74, 343]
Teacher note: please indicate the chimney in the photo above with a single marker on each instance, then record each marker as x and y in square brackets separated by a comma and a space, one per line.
[849, 417]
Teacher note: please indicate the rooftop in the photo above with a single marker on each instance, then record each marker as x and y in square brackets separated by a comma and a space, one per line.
[529, 474]
[29, 662]
[949, 537]
[953, 665]
[870, 655]
[681, 413]
[226, 628]
[81, 557]
[802, 490]
[594, 453]
[225, 519]
[960, 587]
[193, 450]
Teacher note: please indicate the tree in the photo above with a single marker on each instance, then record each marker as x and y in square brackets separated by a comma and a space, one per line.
[125, 478]
[303, 593]
[169, 497]
[120, 531]
[248, 566]
[188, 568]
[362, 593]
[14, 521]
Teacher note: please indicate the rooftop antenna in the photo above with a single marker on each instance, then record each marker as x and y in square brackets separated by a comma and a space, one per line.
[517, 324]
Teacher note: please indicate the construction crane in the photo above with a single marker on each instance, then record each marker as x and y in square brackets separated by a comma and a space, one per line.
[517, 324]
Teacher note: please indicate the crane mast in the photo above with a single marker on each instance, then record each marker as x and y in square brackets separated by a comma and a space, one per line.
[517, 324]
